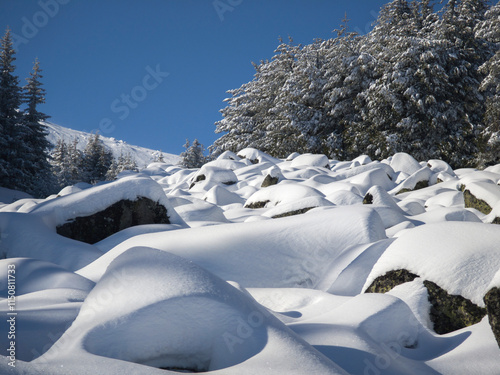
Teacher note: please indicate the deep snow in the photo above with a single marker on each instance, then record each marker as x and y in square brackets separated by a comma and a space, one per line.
[227, 289]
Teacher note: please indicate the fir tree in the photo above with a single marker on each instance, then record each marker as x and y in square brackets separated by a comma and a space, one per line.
[489, 30]
[34, 133]
[96, 160]
[11, 161]
[193, 156]
[123, 163]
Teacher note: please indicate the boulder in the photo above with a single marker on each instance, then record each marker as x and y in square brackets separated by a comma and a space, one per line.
[472, 202]
[448, 312]
[120, 215]
[492, 301]
[269, 180]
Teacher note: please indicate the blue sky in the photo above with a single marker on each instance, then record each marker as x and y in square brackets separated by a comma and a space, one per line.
[155, 72]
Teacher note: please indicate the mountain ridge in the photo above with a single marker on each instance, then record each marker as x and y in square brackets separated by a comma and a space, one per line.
[142, 155]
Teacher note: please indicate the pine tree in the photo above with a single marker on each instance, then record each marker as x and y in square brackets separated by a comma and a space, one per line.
[96, 160]
[193, 156]
[11, 162]
[66, 161]
[489, 30]
[34, 133]
[123, 163]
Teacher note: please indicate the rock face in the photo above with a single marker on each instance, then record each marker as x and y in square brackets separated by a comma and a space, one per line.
[292, 213]
[492, 301]
[269, 180]
[448, 312]
[119, 216]
[255, 205]
[391, 279]
[451, 312]
[419, 185]
[472, 202]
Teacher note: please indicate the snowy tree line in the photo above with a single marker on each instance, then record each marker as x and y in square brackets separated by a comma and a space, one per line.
[23, 145]
[422, 81]
[95, 163]
[26, 162]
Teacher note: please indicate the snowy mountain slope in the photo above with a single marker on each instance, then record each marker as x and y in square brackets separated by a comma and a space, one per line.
[237, 289]
[143, 156]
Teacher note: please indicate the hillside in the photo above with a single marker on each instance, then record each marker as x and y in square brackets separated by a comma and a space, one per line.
[258, 265]
[143, 156]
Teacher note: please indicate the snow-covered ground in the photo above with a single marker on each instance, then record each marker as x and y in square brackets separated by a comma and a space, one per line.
[253, 280]
[142, 156]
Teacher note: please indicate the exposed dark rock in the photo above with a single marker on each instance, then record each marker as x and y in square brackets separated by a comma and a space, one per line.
[269, 180]
[291, 213]
[368, 199]
[261, 204]
[119, 216]
[472, 202]
[199, 178]
[391, 279]
[492, 301]
[448, 312]
[419, 185]
[451, 312]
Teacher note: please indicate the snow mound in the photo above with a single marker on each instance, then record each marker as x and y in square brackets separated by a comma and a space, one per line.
[402, 162]
[196, 320]
[311, 160]
[281, 194]
[288, 252]
[38, 275]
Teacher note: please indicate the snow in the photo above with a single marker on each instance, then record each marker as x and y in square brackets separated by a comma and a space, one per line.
[142, 156]
[469, 250]
[87, 202]
[228, 289]
[486, 191]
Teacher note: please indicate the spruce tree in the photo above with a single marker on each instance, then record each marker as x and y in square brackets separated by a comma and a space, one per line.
[34, 136]
[489, 30]
[123, 163]
[96, 160]
[11, 161]
[193, 156]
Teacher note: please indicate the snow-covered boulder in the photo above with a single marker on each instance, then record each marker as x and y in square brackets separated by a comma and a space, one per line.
[448, 313]
[256, 156]
[95, 213]
[211, 176]
[417, 180]
[280, 194]
[311, 160]
[482, 196]
[402, 162]
[492, 302]
[448, 254]
[221, 196]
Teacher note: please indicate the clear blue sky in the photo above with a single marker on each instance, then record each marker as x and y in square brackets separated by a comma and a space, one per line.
[155, 72]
